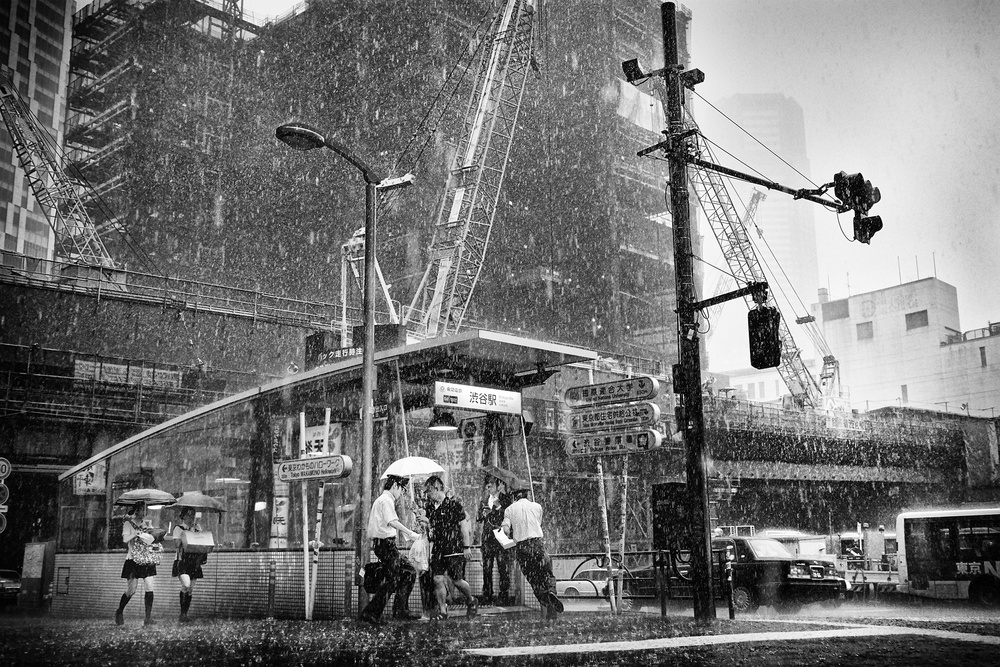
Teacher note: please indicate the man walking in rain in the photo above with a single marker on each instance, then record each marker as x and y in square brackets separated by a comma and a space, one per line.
[383, 526]
[522, 521]
[451, 546]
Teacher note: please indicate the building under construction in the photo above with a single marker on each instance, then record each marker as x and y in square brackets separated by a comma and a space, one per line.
[232, 245]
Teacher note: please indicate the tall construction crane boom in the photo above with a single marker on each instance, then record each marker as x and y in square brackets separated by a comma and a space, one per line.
[726, 281]
[743, 262]
[465, 220]
[60, 196]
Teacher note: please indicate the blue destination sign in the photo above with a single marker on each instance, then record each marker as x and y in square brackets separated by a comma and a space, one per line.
[602, 444]
[314, 467]
[613, 417]
[620, 391]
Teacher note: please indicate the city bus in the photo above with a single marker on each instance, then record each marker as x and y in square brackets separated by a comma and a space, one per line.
[950, 554]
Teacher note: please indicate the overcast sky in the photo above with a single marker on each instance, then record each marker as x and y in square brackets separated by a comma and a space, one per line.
[906, 92]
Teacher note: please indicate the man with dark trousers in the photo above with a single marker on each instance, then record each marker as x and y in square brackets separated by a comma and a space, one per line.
[383, 526]
[522, 521]
[491, 516]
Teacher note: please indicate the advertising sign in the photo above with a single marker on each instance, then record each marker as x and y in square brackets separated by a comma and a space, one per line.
[91, 482]
[467, 397]
[601, 444]
[613, 417]
[620, 391]
[316, 467]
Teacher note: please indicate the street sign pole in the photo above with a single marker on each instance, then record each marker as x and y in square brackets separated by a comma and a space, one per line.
[690, 358]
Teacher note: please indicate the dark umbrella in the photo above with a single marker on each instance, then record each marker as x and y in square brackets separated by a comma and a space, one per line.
[199, 501]
[502, 474]
[147, 496]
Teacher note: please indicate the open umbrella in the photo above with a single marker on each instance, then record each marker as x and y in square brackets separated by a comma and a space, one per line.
[198, 501]
[412, 466]
[147, 496]
[502, 474]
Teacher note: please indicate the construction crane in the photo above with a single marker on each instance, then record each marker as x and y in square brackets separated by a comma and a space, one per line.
[465, 219]
[746, 267]
[60, 196]
[726, 280]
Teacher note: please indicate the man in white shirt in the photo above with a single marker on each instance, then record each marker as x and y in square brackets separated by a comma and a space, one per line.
[383, 526]
[522, 520]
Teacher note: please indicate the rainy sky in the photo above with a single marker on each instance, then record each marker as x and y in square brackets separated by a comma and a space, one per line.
[904, 91]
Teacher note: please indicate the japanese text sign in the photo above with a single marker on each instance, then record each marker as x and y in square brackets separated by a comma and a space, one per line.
[467, 397]
[620, 391]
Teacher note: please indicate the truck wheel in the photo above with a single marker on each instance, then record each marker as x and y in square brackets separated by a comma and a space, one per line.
[744, 600]
[985, 591]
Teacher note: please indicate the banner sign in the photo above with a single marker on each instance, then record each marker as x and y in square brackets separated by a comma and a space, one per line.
[601, 444]
[316, 467]
[482, 399]
[620, 391]
[633, 415]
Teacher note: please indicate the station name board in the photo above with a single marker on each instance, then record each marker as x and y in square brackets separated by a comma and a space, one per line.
[482, 399]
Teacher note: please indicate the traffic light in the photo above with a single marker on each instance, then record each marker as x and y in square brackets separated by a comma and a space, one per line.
[765, 343]
[855, 192]
[865, 228]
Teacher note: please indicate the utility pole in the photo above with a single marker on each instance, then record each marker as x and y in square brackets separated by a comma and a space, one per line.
[690, 417]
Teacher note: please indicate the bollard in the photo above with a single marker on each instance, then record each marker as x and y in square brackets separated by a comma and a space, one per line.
[272, 584]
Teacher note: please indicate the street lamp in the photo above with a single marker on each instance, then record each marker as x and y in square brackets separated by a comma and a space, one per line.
[302, 137]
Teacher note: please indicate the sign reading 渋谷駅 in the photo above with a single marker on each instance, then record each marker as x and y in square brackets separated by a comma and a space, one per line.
[640, 388]
[483, 399]
[614, 417]
[600, 444]
[315, 467]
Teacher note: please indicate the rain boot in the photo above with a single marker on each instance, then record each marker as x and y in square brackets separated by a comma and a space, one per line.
[120, 614]
[185, 605]
[149, 609]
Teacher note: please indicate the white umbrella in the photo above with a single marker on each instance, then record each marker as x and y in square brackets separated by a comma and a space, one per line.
[412, 466]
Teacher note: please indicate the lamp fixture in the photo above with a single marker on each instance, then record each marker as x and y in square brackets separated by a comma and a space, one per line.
[442, 421]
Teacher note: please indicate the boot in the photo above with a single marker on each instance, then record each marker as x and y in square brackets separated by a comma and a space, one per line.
[149, 609]
[185, 605]
[120, 614]
[183, 617]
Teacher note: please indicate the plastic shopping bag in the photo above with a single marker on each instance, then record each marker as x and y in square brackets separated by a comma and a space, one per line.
[420, 554]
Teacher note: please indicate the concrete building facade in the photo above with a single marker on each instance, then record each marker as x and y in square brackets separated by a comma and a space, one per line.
[904, 345]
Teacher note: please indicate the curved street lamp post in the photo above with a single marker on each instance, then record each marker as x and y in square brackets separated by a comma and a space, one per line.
[302, 137]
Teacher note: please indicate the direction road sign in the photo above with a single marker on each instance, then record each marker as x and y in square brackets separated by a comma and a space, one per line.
[315, 467]
[640, 388]
[614, 417]
[599, 444]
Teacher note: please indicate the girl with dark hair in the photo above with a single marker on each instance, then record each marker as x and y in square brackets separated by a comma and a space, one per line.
[140, 561]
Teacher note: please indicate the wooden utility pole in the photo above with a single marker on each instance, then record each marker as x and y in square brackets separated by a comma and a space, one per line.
[690, 417]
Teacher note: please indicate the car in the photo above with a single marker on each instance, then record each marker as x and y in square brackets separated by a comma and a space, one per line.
[588, 583]
[10, 586]
[765, 573]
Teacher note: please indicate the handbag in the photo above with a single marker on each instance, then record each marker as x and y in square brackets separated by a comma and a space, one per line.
[143, 554]
[374, 577]
[197, 542]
